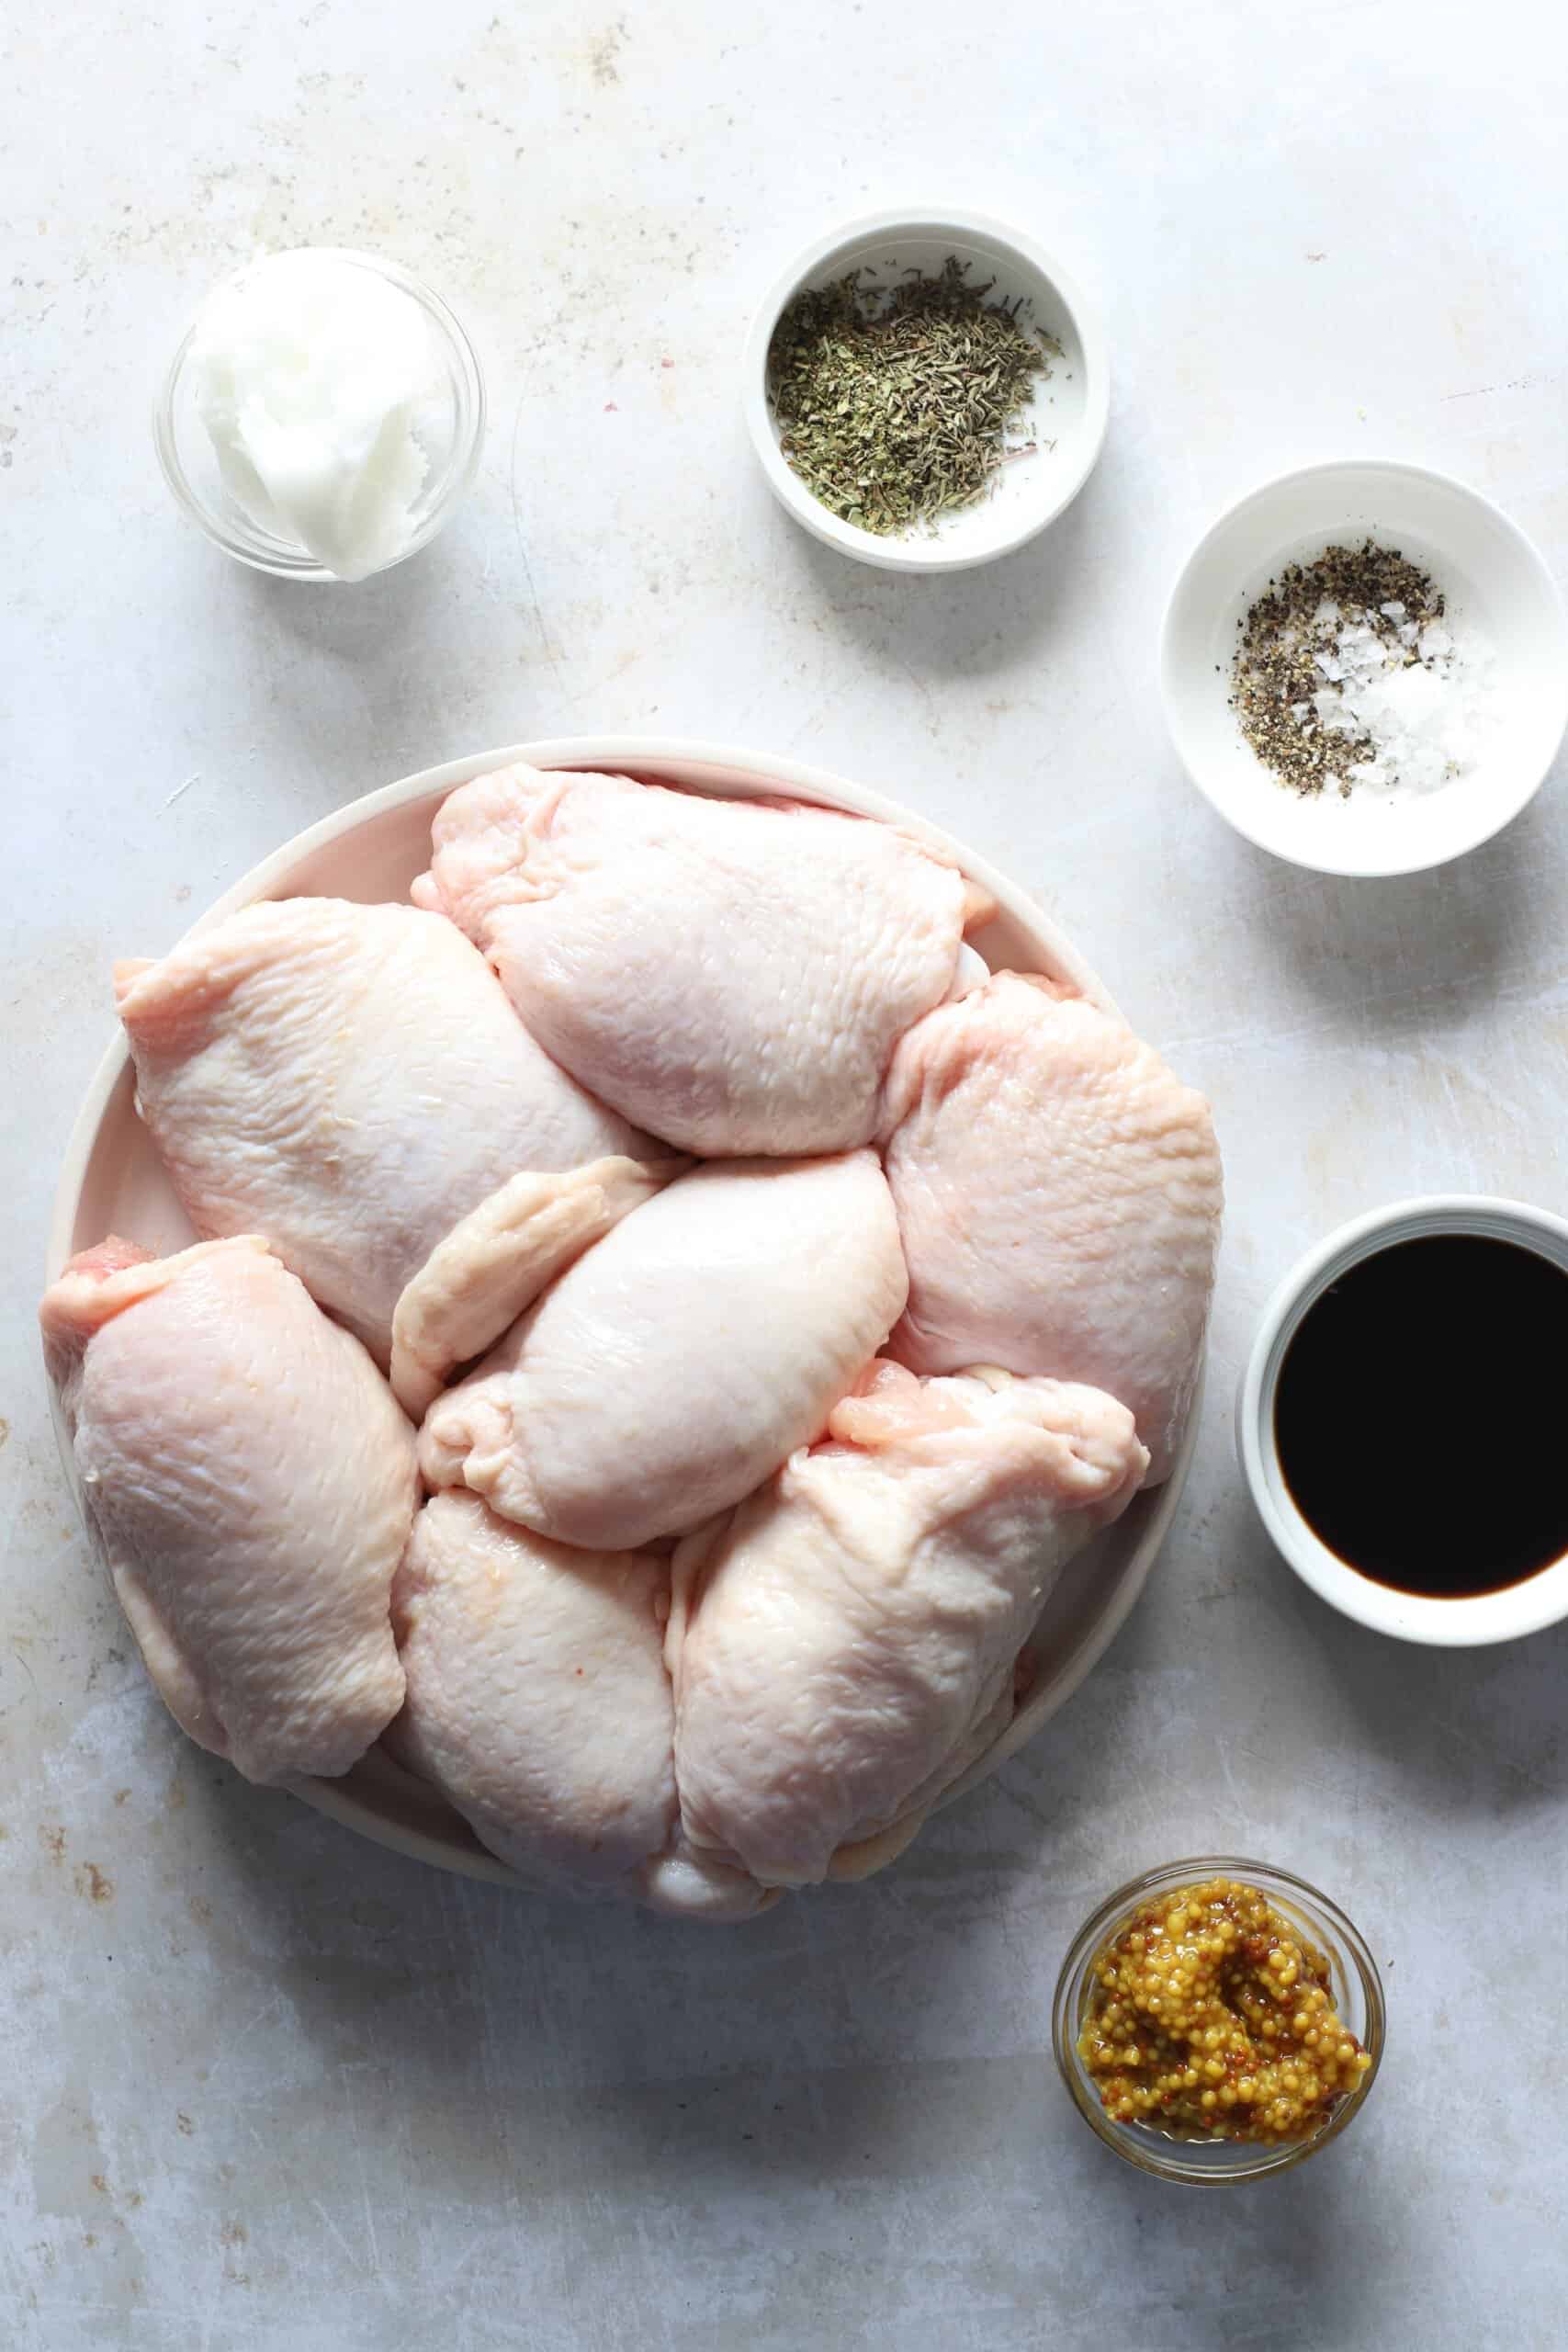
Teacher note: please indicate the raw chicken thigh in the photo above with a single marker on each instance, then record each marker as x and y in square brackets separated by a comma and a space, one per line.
[733, 975]
[844, 1644]
[500, 1259]
[763, 1467]
[682, 1358]
[1058, 1196]
[539, 1703]
[351, 1082]
[536, 1696]
[251, 1485]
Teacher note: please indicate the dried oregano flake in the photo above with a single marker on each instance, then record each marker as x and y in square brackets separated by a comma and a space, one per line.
[898, 403]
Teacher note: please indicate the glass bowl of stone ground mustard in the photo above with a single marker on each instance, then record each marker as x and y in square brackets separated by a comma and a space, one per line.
[1218, 2019]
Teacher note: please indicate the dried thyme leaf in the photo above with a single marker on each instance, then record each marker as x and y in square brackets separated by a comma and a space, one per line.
[895, 404]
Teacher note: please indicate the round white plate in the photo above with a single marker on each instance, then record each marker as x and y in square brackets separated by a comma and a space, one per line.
[372, 850]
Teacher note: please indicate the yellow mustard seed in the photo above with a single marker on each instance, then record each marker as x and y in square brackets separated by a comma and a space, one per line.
[1240, 2039]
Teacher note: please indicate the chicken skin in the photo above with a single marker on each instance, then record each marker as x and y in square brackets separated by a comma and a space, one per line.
[677, 1363]
[351, 1082]
[539, 1703]
[842, 1645]
[250, 1484]
[731, 974]
[1058, 1196]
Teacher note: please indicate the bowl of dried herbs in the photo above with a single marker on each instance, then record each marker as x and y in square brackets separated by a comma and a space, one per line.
[926, 392]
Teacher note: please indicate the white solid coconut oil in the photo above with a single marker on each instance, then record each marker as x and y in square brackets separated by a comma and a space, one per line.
[320, 385]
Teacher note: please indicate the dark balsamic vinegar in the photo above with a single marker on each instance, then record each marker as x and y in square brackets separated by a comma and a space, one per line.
[1421, 1414]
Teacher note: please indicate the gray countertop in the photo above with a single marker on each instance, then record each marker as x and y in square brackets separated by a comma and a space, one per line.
[270, 2089]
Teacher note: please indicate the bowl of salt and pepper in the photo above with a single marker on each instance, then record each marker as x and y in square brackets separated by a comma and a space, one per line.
[1365, 668]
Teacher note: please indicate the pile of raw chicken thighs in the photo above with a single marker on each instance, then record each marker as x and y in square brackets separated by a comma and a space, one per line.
[659, 1330]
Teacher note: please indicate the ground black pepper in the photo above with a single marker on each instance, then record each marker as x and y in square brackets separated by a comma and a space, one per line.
[1276, 672]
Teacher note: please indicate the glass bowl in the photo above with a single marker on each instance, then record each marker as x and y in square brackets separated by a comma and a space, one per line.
[1356, 1993]
[452, 433]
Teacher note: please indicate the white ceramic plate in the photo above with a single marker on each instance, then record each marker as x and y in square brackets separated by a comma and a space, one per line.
[372, 850]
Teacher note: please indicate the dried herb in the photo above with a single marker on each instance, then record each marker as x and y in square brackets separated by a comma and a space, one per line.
[895, 404]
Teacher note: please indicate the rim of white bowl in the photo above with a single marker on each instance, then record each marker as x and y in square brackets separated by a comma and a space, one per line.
[1508, 807]
[979, 228]
[1476, 1620]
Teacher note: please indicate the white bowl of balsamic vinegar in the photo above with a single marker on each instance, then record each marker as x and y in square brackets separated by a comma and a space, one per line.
[1403, 1420]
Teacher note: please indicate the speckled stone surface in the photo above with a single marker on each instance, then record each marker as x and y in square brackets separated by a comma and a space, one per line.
[268, 2090]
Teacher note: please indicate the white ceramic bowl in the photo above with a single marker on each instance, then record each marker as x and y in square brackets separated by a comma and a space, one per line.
[372, 850]
[1070, 407]
[1494, 581]
[1466, 1623]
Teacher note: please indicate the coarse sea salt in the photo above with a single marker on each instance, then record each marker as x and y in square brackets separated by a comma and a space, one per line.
[1351, 679]
[1425, 718]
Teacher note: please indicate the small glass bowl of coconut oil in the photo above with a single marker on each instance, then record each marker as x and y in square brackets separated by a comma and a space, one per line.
[325, 425]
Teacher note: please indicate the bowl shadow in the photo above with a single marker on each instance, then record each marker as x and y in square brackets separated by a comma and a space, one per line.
[935, 627]
[1482, 1727]
[357, 663]
[1298, 2265]
[1394, 955]
[367, 622]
